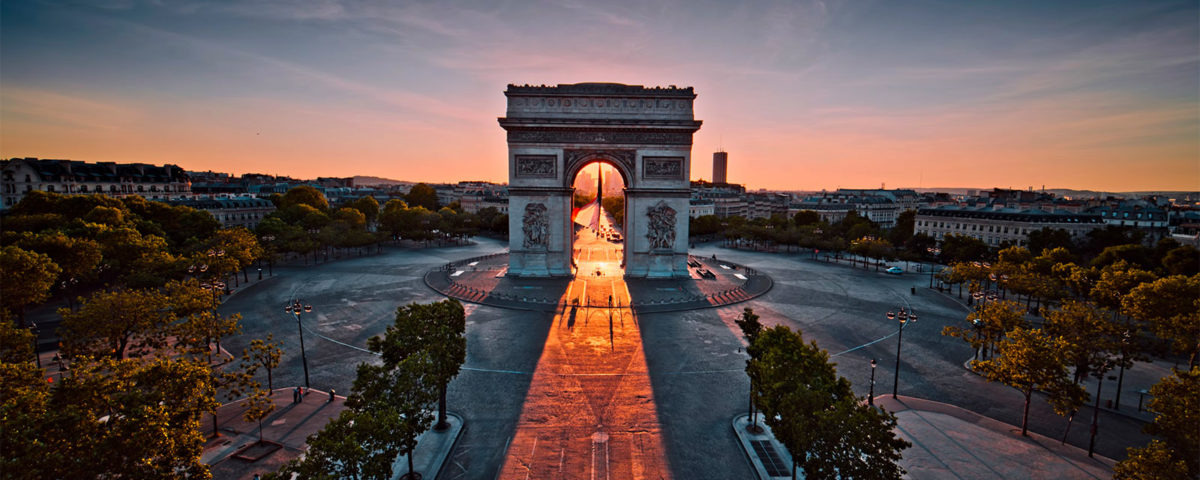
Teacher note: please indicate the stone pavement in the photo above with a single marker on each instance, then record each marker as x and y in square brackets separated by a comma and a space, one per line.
[713, 283]
[953, 443]
[290, 426]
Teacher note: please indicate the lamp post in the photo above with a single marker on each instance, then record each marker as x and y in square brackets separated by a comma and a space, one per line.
[296, 308]
[903, 316]
[871, 396]
[978, 324]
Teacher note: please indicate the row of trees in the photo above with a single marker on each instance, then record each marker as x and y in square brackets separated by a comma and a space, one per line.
[830, 432]
[858, 235]
[305, 224]
[138, 375]
[390, 403]
[1090, 333]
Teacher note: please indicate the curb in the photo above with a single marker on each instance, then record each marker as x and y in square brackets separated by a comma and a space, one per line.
[756, 463]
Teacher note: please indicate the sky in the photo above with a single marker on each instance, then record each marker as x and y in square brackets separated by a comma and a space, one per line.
[808, 95]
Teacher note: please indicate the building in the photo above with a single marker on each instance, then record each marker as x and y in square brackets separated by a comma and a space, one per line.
[232, 212]
[720, 167]
[833, 207]
[700, 208]
[764, 205]
[996, 226]
[19, 176]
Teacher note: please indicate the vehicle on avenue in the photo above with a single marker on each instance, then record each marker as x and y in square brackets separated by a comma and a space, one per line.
[895, 270]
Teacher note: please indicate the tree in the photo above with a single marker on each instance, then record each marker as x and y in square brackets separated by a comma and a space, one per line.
[116, 324]
[36, 274]
[961, 248]
[987, 324]
[1184, 260]
[1176, 404]
[1049, 238]
[1155, 461]
[200, 330]
[257, 407]
[903, 231]
[118, 419]
[368, 206]
[1029, 361]
[345, 448]
[265, 354]
[829, 431]
[1087, 335]
[1134, 254]
[1172, 308]
[16, 344]
[438, 330]
[304, 195]
[751, 327]
[422, 195]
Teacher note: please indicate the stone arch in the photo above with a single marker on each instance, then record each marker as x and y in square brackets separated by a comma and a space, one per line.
[644, 133]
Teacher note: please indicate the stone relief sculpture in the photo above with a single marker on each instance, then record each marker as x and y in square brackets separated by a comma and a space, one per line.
[662, 226]
[536, 226]
[537, 166]
[662, 167]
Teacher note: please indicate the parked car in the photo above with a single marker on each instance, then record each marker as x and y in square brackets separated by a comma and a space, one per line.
[895, 270]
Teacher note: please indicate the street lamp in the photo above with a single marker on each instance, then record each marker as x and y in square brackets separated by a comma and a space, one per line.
[903, 316]
[296, 308]
[871, 396]
[978, 324]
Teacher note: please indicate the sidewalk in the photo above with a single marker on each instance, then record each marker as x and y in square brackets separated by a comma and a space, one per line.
[950, 442]
[290, 426]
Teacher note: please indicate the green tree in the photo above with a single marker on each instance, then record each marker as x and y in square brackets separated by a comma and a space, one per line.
[16, 344]
[438, 330]
[1137, 255]
[257, 406]
[806, 217]
[1028, 360]
[1172, 307]
[961, 248]
[1176, 404]
[751, 327]
[1155, 461]
[422, 195]
[905, 225]
[264, 354]
[203, 331]
[368, 206]
[116, 324]
[121, 419]
[347, 447]
[36, 274]
[304, 195]
[1088, 336]
[988, 324]
[1049, 238]
[829, 431]
[1184, 260]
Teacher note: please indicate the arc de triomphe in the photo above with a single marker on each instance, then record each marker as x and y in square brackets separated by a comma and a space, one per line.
[553, 132]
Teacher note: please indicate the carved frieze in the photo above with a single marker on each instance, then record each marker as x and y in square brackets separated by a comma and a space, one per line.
[537, 166]
[661, 226]
[635, 138]
[536, 226]
[662, 167]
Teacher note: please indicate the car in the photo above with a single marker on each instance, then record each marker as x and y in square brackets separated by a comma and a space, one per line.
[895, 270]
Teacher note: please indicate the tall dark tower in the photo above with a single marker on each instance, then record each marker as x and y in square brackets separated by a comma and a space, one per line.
[720, 166]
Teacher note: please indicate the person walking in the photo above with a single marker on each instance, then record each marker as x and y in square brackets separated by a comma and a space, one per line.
[331, 393]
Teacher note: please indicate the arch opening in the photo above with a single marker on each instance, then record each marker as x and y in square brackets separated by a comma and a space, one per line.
[598, 218]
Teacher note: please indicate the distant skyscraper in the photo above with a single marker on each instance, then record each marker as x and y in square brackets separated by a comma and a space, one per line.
[720, 166]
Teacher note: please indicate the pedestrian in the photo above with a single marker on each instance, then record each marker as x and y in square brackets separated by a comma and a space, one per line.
[296, 395]
[331, 393]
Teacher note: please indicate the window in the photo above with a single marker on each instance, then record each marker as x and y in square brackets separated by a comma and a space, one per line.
[49, 188]
[141, 188]
[83, 189]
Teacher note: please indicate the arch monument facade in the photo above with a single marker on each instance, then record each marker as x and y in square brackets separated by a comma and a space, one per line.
[554, 131]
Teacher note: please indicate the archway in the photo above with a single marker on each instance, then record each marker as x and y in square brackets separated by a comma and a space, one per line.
[598, 212]
[644, 133]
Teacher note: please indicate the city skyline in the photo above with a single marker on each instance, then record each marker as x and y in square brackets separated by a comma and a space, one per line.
[1099, 96]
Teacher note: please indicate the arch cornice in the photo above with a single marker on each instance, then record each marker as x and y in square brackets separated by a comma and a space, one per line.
[574, 159]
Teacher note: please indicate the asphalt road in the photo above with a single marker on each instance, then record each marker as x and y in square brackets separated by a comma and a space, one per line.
[695, 358]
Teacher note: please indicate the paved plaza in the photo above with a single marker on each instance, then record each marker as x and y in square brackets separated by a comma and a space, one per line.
[672, 382]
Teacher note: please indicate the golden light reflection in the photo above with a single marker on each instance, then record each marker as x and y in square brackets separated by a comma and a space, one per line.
[590, 410]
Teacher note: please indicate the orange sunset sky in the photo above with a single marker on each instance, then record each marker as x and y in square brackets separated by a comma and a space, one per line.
[804, 95]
